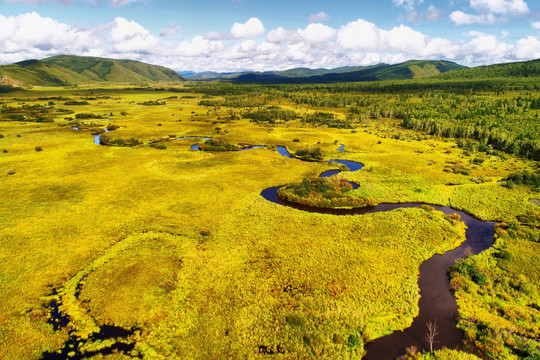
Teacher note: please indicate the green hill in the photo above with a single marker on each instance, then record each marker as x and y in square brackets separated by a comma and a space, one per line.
[509, 70]
[414, 69]
[72, 70]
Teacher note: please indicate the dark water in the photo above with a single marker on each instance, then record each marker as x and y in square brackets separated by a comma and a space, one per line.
[437, 302]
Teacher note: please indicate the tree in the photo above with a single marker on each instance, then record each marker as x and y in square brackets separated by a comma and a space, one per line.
[433, 331]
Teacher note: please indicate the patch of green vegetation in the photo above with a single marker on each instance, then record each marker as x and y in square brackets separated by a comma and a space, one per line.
[497, 293]
[309, 154]
[105, 140]
[218, 145]
[330, 192]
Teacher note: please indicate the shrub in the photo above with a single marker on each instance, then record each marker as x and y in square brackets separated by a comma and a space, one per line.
[5, 151]
[38, 148]
[1, 136]
[315, 154]
[111, 127]
[160, 146]
[324, 193]
[218, 145]
[107, 141]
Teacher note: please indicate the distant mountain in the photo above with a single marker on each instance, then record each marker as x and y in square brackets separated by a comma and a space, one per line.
[414, 69]
[290, 73]
[508, 70]
[72, 70]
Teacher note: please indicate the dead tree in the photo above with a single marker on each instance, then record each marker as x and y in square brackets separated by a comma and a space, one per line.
[433, 331]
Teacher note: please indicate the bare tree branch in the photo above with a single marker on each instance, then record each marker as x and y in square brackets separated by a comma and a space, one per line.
[433, 330]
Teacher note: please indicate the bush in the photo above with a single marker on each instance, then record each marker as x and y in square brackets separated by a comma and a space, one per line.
[218, 145]
[111, 127]
[324, 193]
[1, 136]
[38, 148]
[107, 141]
[160, 146]
[315, 154]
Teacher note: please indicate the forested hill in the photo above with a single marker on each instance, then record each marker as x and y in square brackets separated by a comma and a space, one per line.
[414, 69]
[73, 70]
[509, 70]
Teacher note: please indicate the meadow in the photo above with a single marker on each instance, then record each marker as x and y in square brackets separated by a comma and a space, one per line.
[178, 249]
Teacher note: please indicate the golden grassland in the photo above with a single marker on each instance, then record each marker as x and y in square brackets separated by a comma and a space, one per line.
[180, 245]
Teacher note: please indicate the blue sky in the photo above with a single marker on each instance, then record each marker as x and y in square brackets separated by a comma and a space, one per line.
[232, 35]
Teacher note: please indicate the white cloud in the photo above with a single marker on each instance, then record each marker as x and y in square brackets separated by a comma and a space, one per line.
[322, 16]
[199, 46]
[405, 40]
[118, 3]
[171, 29]
[317, 33]
[317, 45]
[279, 35]
[251, 29]
[502, 7]
[461, 18]
[536, 25]
[473, 33]
[433, 13]
[30, 36]
[407, 4]
[129, 36]
[359, 35]
[528, 48]
[490, 11]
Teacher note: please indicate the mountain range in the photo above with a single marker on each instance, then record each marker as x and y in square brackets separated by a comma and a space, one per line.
[63, 70]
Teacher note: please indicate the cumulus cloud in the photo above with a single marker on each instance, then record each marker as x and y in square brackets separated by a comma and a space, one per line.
[490, 11]
[129, 36]
[30, 35]
[172, 29]
[461, 18]
[359, 42]
[251, 29]
[322, 16]
[536, 25]
[359, 35]
[317, 33]
[502, 7]
[528, 48]
[279, 35]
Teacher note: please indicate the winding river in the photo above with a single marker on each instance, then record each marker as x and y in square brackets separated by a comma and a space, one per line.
[437, 302]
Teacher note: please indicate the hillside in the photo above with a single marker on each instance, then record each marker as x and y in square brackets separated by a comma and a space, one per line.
[414, 69]
[509, 70]
[72, 70]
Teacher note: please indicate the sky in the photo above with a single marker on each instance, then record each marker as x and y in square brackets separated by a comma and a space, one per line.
[264, 35]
